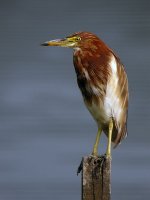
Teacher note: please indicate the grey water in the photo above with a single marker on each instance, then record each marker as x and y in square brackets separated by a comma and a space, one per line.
[45, 128]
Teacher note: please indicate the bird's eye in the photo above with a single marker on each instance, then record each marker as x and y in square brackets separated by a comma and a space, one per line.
[78, 38]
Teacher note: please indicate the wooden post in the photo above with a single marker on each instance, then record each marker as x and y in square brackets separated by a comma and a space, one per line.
[96, 171]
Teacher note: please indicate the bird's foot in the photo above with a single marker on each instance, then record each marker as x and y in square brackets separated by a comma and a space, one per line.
[108, 155]
[94, 154]
[95, 160]
[108, 152]
[99, 161]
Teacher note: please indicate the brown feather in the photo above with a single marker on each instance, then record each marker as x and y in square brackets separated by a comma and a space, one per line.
[123, 95]
[94, 73]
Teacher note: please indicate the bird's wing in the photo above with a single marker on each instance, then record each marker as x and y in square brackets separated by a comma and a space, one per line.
[123, 96]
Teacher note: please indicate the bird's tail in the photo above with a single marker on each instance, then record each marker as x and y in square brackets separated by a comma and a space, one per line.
[118, 134]
[122, 134]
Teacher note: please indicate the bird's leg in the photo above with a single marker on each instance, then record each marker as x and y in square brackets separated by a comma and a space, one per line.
[95, 148]
[108, 152]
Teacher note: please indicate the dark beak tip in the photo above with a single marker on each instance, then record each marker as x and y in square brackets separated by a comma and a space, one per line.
[44, 44]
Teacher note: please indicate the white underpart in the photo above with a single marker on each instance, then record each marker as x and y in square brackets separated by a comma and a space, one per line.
[111, 106]
[112, 102]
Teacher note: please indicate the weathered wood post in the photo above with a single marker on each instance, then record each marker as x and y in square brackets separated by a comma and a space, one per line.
[96, 172]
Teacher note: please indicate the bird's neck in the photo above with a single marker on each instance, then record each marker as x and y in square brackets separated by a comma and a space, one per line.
[91, 58]
[92, 69]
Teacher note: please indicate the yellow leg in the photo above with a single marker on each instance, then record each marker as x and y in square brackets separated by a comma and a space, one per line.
[95, 148]
[108, 152]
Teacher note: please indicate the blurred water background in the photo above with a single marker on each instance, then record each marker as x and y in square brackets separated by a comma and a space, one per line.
[45, 128]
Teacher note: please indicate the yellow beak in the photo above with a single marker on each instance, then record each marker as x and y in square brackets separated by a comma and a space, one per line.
[57, 42]
[66, 42]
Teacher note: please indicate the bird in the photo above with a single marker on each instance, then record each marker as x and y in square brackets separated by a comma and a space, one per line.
[103, 83]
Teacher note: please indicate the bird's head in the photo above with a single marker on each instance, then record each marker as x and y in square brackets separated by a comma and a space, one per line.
[80, 39]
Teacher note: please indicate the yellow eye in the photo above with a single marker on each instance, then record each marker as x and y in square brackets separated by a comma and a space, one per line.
[78, 39]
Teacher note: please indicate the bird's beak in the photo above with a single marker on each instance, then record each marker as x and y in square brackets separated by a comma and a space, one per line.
[66, 42]
[57, 42]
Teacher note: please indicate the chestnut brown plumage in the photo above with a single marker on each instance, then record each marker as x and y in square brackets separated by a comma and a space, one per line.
[103, 83]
